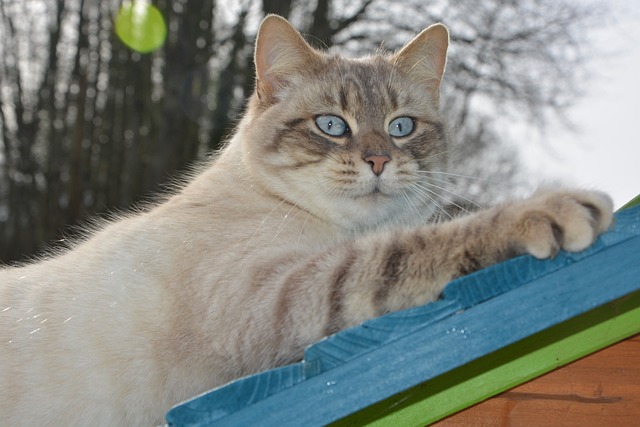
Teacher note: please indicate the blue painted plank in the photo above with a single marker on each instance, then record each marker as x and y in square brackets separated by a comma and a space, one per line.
[478, 314]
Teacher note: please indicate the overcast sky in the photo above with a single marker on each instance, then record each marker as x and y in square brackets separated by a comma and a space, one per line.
[605, 152]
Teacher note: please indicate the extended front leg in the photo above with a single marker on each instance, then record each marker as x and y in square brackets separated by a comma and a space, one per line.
[415, 266]
[388, 271]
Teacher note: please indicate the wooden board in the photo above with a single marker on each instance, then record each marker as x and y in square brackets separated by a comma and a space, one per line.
[602, 389]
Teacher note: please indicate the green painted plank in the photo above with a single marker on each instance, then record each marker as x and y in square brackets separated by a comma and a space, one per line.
[506, 368]
[634, 202]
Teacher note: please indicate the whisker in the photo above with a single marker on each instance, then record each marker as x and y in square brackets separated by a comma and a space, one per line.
[286, 220]
[264, 220]
[445, 181]
[303, 226]
[424, 192]
[446, 199]
[470, 177]
[411, 204]
[466, 199]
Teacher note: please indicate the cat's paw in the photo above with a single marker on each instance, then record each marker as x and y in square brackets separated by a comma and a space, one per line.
[552, 220]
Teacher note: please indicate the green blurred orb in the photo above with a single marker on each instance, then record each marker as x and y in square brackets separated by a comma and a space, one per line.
[141, 26]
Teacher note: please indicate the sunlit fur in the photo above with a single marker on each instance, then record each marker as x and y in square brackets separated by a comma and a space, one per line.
[287, 236]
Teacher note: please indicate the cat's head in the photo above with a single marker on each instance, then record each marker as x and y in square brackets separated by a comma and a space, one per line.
[356, 142]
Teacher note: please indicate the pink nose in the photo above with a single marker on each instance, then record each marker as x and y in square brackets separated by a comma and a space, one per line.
[377, 162]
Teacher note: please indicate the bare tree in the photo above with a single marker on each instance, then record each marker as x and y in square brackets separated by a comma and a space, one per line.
[88, 125]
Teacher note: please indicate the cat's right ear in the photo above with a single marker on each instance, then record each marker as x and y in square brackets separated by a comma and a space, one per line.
[280, 54]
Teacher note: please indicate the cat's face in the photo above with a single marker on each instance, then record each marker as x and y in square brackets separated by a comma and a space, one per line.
[355, 142]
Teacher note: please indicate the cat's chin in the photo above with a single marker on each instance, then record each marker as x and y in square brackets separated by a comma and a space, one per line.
[375, 189]
[366, 210]
[376, 201]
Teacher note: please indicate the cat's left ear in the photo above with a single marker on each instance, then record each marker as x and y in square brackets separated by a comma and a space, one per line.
[281, 53]
[425, 56]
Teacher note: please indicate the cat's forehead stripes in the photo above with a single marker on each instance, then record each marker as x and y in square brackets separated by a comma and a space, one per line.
[365, 88]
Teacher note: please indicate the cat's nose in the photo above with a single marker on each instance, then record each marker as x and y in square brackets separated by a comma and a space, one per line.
[377, 162]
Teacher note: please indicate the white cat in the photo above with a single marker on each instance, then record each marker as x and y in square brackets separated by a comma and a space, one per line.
[312, 219]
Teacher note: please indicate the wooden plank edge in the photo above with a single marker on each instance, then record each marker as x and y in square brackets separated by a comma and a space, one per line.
[506, 368]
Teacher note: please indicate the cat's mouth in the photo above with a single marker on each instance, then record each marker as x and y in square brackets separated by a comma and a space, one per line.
[374, 193]
[374, 190]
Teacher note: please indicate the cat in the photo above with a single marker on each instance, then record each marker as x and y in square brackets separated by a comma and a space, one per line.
[317, 215]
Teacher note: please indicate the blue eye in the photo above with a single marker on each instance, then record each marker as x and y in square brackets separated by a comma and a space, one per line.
[401, 126]
[332, 125]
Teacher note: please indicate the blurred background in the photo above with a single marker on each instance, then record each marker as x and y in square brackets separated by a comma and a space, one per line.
[104, 102]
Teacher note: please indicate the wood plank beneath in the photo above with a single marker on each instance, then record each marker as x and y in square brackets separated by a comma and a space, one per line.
[602, 389]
